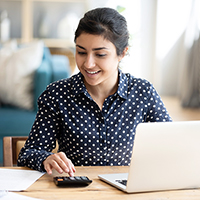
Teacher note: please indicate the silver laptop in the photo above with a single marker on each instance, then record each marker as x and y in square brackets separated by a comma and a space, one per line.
[166, 156]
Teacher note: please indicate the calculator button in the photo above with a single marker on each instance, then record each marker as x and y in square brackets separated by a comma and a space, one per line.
[78, 178]
[84, 178]
[71, 178]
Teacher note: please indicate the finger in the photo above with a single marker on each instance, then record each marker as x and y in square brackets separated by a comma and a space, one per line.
[69, 164]
[57, 166]
[72, 166]
[48, 169]
[61, 162]
[52, 162]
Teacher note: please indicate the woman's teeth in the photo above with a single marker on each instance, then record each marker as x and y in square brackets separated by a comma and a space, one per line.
[92, 72]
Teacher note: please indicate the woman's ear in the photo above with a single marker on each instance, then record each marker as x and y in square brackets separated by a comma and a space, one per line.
[124, 53]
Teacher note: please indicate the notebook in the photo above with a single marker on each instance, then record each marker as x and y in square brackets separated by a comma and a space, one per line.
[166, 156]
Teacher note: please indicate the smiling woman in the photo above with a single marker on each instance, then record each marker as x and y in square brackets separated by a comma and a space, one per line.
[93, 115]
[93, 56]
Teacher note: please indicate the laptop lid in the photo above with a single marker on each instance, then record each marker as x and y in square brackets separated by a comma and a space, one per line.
[165, 157]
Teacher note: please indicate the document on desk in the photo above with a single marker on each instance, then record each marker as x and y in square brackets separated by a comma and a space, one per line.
[17, 180]
[11, 195]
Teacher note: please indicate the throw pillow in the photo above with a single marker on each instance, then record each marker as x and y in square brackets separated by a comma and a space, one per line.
[17, 68]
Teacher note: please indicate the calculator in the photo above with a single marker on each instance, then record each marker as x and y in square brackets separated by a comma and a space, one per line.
[72, 181]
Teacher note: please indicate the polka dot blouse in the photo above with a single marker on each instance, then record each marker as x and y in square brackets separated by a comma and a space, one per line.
[88, 135]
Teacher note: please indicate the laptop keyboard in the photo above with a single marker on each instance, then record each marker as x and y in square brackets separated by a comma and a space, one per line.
[123, 182]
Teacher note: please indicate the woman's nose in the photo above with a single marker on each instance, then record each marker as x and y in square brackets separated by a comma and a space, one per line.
[90, 61]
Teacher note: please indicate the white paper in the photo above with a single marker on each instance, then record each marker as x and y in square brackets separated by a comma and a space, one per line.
[10, 195]
[17, 180]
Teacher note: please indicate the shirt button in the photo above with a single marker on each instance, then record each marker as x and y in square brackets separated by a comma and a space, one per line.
[103, 141]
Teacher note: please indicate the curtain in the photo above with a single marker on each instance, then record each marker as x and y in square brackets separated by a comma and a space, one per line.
[190, 81]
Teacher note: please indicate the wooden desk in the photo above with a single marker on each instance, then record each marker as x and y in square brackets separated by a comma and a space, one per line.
[44, 188]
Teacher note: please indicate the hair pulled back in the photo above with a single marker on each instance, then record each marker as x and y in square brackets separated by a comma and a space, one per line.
[108, 23]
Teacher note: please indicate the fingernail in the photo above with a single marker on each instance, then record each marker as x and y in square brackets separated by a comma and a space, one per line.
[66, 170]
[71, 174]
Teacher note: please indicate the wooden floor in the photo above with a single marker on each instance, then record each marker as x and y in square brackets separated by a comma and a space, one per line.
[179, 113]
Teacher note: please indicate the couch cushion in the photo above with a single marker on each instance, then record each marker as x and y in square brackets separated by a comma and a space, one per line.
[17, 67]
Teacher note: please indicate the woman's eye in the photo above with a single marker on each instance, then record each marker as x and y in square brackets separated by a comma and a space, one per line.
[101, 55]
[81, 53]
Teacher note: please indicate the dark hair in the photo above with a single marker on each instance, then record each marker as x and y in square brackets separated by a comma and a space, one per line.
[108, 23]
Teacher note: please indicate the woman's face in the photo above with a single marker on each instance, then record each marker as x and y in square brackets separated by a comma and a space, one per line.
[97, 60]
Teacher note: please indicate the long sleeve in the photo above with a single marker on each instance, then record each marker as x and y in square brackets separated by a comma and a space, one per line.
[42, 138]
[157, 111]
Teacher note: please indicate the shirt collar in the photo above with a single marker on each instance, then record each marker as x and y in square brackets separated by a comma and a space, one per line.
[79, 86]
[123, 85]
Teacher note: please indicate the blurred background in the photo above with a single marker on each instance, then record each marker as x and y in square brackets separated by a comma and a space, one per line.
[162, 32]
[164, 47]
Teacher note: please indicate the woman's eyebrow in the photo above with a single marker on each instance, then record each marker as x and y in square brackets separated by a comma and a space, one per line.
[100, 48]
[95, 49]
[80, 47]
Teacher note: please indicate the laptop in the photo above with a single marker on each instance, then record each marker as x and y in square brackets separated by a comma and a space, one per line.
[166, 156]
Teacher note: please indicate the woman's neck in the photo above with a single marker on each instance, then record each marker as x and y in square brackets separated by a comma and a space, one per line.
[100, 92]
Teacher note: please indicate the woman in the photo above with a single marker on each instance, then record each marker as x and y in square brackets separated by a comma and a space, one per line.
[92, 115]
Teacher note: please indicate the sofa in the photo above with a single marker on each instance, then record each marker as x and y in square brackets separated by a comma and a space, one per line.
[16, 121]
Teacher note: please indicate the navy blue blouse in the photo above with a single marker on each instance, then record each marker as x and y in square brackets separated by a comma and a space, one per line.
[88, 135]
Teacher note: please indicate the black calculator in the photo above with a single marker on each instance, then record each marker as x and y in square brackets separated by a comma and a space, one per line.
[72, 181]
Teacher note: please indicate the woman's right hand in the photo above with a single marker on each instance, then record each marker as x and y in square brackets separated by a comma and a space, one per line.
[60, 163]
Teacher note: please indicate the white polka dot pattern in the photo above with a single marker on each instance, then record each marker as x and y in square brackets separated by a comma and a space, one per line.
[88, 135]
